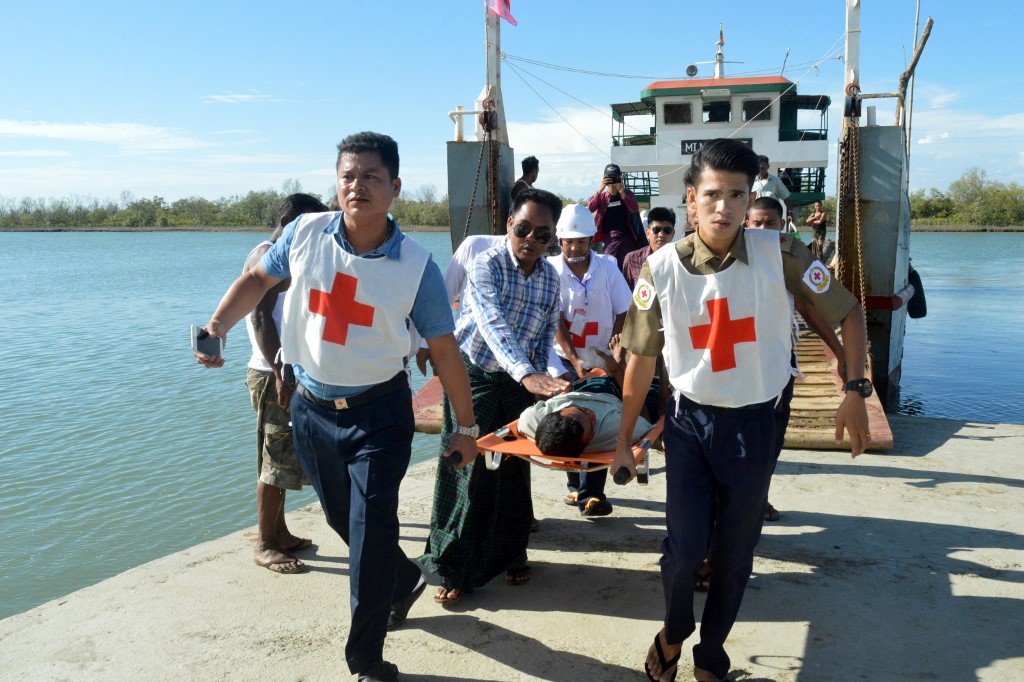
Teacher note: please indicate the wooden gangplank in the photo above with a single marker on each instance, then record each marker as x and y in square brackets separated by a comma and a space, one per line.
[816, 397]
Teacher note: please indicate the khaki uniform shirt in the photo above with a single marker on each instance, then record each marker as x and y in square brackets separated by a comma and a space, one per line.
[643, 332]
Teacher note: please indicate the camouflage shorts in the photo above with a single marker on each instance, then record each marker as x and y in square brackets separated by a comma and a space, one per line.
[276, 461]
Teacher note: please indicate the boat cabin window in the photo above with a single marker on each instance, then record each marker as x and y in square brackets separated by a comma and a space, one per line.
[678, 113]
[757, 110]
[717, 112]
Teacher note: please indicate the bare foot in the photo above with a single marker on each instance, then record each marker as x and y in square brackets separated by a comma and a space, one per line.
[277, 561]
[445, 595]
[291, 543]
[662, 659]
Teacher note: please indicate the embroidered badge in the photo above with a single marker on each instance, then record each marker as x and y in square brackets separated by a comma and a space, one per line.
[817, 277]
[643, 295]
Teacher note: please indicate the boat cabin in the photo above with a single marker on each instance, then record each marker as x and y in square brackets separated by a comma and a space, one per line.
[654, 138]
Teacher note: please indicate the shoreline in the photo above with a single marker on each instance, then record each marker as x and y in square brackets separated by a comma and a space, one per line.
[435, 228]
[864, 548]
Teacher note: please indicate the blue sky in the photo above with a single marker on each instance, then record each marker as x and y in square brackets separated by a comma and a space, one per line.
[212, 99]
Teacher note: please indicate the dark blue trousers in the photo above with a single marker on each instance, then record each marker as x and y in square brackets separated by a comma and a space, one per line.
[356, 459]
[718, 465]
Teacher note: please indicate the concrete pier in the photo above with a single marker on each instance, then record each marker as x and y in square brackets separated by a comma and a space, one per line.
[907, 565]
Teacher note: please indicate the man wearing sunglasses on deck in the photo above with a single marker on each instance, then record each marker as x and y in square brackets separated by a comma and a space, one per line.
[480, 522]
[661, 229]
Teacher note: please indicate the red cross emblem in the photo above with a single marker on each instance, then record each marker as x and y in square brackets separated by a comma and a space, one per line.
[589, 329]
[817, 276]
[340, 308]
[722, 334]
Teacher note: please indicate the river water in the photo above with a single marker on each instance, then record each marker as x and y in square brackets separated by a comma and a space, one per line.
[116, 448]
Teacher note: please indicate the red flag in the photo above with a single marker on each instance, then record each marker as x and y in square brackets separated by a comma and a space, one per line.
[503, 8]
[721, 36]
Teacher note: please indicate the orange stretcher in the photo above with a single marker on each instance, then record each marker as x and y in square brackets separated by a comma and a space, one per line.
[509, 442]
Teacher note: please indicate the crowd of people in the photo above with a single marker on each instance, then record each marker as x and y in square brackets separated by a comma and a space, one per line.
[695, 329]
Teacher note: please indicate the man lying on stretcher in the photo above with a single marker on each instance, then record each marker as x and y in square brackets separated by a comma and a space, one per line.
[587, 419]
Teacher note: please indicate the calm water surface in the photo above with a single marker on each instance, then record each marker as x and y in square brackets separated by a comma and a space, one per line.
[116, 448]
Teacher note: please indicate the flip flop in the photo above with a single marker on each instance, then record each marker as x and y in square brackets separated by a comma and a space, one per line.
[570, 499]
[665, 665]
[288, 566]
[771, 513]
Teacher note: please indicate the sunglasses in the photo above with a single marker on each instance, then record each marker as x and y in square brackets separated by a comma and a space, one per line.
[542, 236]
[659, 230]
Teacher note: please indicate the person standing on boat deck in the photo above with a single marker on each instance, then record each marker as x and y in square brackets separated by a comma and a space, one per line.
[594, 299]
[356, 282]
[767, 185]
[277, 464]
[480, 521]
[531, 169]
[661, 228]
[618, 216]
[818, 220]
[716, 307]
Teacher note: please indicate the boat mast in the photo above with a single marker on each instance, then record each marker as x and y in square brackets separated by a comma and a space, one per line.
[719, 56]
[492, 82]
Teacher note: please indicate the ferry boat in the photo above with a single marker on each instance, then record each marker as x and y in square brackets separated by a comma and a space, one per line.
[654, 138]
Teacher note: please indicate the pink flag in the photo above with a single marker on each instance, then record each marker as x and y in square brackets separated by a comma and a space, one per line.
[503, 8]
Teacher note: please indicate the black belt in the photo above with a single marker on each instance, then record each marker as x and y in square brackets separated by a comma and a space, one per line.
[366, 397]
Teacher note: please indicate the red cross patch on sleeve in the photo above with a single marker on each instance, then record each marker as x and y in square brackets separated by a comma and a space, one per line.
[817, 277]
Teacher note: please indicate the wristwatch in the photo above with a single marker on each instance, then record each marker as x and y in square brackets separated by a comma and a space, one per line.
[474, 430]
[862, 386]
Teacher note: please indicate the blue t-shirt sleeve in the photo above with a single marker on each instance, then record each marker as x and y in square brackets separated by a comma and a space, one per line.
[275, 260]
[431, 312]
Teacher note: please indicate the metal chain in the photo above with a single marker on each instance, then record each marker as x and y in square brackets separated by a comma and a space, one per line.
[476, 183]
[855, 137]
[492, 183]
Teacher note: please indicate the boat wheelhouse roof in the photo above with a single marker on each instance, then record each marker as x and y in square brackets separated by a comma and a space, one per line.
[693, 86]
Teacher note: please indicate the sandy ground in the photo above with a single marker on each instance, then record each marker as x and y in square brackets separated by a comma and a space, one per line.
[906, 565]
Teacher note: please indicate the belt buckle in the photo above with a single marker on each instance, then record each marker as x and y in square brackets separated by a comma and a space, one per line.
[341, 404]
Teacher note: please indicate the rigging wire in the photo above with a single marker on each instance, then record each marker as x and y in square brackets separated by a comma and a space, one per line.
[832, 53]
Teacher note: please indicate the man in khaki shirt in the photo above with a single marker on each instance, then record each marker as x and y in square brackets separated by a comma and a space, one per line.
[719, 450]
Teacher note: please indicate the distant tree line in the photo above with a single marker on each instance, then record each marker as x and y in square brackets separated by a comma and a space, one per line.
[255, 209]
[972, 199]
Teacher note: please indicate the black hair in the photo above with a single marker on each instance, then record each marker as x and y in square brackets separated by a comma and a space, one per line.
[295, 205]
[769, 204]
[530, 164]
[689, 177]
[762, 157]
[662, 213]
[559, 436]
[726, 155]
[538, 196]
[371, 142]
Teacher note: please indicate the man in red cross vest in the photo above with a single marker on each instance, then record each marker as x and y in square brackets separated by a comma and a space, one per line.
[715, 307]
[357, 282]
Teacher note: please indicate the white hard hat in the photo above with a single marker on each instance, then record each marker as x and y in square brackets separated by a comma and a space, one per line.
[576, 222]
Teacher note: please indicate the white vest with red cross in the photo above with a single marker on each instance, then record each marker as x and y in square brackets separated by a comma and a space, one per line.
[727, 336]
[344, 316]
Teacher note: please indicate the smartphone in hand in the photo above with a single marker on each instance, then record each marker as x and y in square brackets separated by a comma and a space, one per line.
[203, 343]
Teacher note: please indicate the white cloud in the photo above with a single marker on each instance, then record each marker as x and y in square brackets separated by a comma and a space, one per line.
[572, 152]
[938, 97]
[933, 138]
[130, 137]
[233, 98]
[36, 153]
